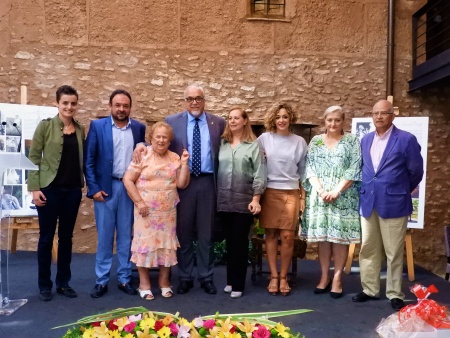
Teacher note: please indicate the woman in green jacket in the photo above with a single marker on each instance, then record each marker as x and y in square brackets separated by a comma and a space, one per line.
[57, 149]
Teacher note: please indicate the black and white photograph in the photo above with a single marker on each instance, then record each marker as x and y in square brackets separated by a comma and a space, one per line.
[13, 144]
[13, 176]
[12, 197]
[13, 126]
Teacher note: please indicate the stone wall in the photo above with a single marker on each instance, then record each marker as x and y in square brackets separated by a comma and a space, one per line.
[327, 52]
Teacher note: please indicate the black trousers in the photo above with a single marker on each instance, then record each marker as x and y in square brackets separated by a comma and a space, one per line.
[62, 204]
[195, 221]
[236, 227]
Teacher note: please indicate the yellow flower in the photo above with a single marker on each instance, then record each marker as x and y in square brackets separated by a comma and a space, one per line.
[148, 323]
[101, 331]
[164, 332]
[115, 334]
[184, 322]
[282, 330]
[129, 335]
[246, 327]
[121, 322]
[88, 333]
[226, 326]
[234, 335]
[194, 333]
[144, 334]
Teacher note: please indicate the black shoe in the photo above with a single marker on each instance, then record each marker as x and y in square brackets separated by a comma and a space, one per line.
[209, 287]
[185, 286]
[362, 297]
[99, 290]
[127, 288]
[319, 291]
[67, 291]
[397, 303]
[45, 295]
[336, 295]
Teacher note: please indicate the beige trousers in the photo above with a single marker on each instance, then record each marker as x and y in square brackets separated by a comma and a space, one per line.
[382, 236]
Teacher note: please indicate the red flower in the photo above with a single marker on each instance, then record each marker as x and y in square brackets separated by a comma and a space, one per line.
[158, 325]
[209, 324]
[112, 326]
[233, 329]
[129, 327]
[96, 324]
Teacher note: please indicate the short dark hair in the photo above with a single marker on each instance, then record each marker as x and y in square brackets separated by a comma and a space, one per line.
[65, 90]
[118, 92]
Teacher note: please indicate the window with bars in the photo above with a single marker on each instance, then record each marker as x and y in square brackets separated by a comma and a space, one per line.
[268, 8]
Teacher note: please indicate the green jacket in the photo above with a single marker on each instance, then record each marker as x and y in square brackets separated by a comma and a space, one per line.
[46, 150]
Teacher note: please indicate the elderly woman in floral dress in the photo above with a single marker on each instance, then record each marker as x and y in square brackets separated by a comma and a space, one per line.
[152, 185]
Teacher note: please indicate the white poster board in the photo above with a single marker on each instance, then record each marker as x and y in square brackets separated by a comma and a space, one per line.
[17, 125]
[418, 126]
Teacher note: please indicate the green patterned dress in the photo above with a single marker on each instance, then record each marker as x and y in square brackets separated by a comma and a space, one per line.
[336, 222]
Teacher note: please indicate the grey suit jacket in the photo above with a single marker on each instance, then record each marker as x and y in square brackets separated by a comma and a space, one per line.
[216, 126]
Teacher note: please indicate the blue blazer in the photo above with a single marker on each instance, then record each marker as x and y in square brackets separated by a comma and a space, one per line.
[388, 191]
[216, 126]
[98, 164]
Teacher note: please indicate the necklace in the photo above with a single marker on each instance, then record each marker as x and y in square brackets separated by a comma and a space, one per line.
[68, 126]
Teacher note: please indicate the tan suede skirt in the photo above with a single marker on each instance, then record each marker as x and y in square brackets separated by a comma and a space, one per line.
[280, 209]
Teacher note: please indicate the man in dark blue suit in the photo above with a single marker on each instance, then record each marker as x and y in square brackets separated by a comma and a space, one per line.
[109, 146]
[197, 208]
[392, 169]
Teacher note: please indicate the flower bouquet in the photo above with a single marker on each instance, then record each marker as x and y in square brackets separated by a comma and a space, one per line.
[142, 323]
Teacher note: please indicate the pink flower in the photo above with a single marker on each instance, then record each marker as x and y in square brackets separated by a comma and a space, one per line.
[129, 327]
[262, 332]
[173, 329]
[209, 324]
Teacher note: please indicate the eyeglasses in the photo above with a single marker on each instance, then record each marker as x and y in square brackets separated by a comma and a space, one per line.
[381, 113]
[197, 99]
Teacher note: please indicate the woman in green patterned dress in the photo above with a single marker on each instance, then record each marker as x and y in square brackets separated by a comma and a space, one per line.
[332, 180]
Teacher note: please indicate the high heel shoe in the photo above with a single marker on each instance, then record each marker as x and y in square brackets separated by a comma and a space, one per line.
[319, 291]
[284, 290]
[273, 289]
[336, 295]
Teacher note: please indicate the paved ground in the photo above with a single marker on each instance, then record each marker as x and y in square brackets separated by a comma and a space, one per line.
[330, 318]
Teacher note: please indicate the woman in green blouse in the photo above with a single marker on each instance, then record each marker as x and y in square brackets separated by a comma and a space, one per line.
[241, 181]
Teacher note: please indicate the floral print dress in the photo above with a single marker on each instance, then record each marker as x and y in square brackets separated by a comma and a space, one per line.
[336, 222]
[155, 241]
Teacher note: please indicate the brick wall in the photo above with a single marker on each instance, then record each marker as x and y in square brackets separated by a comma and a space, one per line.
[327, 52]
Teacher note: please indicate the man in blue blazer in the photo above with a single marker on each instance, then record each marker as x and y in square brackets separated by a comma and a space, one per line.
[197, 208]
[392, 169]
[109, 146]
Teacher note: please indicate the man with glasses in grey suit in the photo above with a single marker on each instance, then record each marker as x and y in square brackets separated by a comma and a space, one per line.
[197, 208]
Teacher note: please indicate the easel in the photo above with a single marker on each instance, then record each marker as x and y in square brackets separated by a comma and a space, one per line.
[31, 222]
[408, 238]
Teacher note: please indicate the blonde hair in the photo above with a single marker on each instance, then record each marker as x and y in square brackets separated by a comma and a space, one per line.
[333, 109]
[247, 134]
[269, 119]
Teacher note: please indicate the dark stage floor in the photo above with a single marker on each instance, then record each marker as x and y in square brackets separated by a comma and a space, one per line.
[330, 318]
